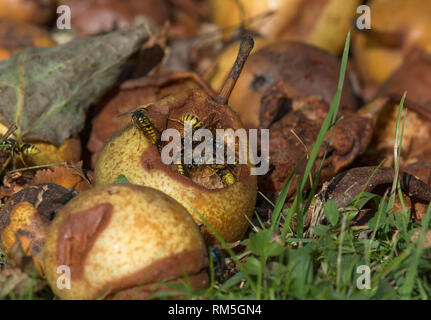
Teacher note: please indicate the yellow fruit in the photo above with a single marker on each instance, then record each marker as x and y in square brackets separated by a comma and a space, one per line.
[69, 150]
[397, 27]
[120, 241]
[227, 208]
[227, 13]
[131, 155]
[219, 70]
[321, 23]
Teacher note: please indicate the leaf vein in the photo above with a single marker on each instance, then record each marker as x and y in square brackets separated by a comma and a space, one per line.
[65, 101]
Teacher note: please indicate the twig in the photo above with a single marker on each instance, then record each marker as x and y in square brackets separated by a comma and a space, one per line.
[38, 167]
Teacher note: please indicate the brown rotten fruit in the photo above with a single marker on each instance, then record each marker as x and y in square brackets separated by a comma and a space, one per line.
[120, 241]
[294, 125]
[377, 180]
[226, 208]
[26, 217]
[302, 70]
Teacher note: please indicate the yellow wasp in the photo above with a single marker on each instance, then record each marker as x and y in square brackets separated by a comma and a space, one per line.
[182, 168]
[194, 120]
[143, 123]
[12, 147]
[226, 176]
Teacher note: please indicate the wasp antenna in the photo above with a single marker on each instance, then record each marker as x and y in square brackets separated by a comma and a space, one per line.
[245, 48]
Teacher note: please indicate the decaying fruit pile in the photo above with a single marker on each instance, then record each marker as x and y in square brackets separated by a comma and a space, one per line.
[83, 111]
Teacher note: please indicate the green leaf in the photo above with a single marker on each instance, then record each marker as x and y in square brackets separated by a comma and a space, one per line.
[122, 180]
[46, 91]
[331, 212]
[274, 249]
[258, 242]
[252, 266]
[363, 198]
[261, 245]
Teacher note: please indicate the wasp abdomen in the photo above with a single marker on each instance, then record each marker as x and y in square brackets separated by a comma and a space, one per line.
[143, 123]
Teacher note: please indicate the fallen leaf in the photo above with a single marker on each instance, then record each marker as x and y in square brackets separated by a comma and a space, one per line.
[68, 177]
[46, 91]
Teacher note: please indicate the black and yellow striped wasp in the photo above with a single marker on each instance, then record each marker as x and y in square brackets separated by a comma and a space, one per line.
[143, 123]
[182, 168]
[14, 148]
[189, 117]
[194, 120]
[226, 176]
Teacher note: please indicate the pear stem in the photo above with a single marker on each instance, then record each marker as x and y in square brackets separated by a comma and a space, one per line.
[245, 48]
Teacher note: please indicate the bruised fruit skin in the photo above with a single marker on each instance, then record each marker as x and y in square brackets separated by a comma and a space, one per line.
[119, 241]
[31, 11]
[323, 23]
[132, 155]
[27, 216]
[397, 26]
[15, 36]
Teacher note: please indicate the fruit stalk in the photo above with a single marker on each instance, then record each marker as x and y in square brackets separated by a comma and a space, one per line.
[245, 48]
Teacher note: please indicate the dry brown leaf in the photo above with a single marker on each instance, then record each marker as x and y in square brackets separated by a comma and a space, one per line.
[68, 177]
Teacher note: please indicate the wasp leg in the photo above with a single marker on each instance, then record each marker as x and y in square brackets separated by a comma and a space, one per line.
[6, 163]
[21, 157]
